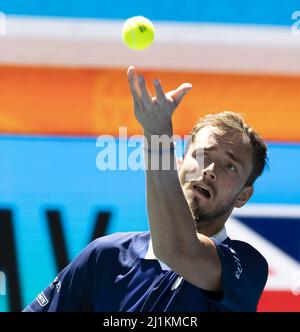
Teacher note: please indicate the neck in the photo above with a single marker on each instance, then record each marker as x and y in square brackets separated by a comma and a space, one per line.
[208, 230]
[209, 227]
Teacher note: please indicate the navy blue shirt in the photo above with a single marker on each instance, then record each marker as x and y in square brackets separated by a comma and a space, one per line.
[112, 274]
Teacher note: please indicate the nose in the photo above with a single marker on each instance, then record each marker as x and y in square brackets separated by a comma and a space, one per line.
[209, 173]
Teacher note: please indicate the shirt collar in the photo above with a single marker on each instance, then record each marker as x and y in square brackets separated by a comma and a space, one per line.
[218, 237]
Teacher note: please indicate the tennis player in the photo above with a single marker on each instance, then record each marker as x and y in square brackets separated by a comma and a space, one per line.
[186, 262]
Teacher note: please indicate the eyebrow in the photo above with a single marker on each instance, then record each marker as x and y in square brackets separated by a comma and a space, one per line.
[234, 158]
[230, 154]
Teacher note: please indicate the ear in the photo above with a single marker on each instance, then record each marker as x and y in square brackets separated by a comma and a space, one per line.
[243, 196]
[179, 163]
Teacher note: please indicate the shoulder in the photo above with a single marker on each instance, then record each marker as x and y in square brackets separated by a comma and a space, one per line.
[124, 246]
[244, 274]
[246, 250]
[250, 259]
[119, 240]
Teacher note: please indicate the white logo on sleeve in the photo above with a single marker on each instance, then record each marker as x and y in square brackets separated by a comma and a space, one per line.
[42, 300]
[55, 284]
[239, 268]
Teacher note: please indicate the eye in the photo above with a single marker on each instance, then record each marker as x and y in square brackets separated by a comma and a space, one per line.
[231, 167]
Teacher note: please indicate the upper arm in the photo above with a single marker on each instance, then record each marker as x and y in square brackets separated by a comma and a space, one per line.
[69, 291]
[64, 294]
[199, 263]
[238, 271]
[244, 275]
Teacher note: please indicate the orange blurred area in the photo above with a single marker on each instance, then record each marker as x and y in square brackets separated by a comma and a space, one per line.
[64, 101]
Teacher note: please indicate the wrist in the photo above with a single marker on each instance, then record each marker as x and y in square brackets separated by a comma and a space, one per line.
[152, 137]
[159, 144]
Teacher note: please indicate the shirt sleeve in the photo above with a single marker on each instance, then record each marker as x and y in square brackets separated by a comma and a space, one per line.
[244, 275]
[70, 291]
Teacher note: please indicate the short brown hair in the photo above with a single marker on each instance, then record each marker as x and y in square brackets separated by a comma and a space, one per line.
[229, 121]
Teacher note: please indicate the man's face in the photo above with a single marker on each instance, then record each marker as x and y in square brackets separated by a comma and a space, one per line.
[214, 172]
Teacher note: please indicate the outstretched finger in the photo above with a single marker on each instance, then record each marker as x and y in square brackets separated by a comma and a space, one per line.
[160, 95]
[145, 94]
[131, 75]
[178, 94]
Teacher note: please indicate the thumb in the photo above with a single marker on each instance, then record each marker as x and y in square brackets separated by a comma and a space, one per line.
[178, 94]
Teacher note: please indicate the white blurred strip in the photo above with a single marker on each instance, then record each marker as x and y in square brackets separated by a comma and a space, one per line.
[2, 24]
[178, 46]
[268, 210]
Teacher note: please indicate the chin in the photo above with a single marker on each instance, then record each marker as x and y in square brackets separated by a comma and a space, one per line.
[197, 208]
[197, 205]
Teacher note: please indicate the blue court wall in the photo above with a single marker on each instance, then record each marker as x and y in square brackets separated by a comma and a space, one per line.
[270, 12]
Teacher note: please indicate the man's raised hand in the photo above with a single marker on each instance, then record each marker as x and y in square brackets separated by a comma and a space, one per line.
[154, 113]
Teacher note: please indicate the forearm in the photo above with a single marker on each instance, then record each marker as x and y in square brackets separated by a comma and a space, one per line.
[170, 219]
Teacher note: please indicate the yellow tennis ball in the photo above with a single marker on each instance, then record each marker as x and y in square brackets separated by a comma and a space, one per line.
[138, 33]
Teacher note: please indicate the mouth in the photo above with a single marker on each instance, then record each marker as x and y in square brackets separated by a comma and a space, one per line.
[199, 189]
